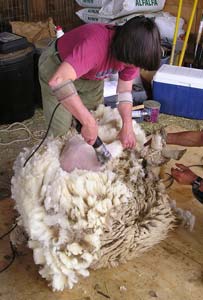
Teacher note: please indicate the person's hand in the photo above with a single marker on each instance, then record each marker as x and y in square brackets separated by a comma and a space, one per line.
[183, 174]
[89, 132]
[127, 137]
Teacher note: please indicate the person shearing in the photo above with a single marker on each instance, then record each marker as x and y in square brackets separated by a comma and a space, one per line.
[73, 68]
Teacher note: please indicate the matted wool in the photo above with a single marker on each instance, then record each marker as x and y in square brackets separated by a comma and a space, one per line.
[82, 220]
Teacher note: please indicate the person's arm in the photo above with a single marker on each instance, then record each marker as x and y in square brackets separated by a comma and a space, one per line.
[126, 135]
[185, 138]
[73, 103]
[184, 175]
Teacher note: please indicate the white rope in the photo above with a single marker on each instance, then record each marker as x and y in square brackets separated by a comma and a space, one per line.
[37, 135]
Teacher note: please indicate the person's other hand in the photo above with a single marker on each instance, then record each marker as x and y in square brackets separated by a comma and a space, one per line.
[127, 137]
[183, 174]
[89, 132]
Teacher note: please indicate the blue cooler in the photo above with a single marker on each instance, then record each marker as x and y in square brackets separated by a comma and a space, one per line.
[179, 90]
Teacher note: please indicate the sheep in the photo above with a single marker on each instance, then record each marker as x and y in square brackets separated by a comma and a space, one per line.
[80, 216]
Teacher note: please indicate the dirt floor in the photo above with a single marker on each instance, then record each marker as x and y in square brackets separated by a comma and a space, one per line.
[172, 270]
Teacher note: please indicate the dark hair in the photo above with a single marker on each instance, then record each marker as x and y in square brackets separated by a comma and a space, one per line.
[138, 42]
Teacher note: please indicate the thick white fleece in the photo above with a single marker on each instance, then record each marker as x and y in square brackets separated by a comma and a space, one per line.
[83, 219]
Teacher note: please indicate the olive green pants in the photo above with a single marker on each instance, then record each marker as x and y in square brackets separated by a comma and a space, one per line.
[90, 92]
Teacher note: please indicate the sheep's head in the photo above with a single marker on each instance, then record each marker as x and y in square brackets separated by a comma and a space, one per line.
[156, 151]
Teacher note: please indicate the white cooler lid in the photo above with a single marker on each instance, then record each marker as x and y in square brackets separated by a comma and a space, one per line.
[179, 76]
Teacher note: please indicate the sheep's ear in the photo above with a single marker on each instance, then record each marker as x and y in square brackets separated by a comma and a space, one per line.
[173, 154]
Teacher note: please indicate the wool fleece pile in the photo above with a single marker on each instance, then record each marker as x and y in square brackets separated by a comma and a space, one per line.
[80, 219]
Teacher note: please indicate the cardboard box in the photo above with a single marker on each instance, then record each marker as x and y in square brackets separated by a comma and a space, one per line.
[179, 91]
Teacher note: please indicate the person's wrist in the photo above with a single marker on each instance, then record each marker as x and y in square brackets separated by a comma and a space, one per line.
[89, 122]
[196, 189]
[127, 124]
[193, 179]
[196, 183]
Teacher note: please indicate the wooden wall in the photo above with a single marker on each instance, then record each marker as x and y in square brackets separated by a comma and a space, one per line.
[63, 11]
[172, 7]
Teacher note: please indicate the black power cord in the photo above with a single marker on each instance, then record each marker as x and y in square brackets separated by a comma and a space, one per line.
[12, 259]
[12, 250]
[29, 157]
[5, 234]
[49, 125]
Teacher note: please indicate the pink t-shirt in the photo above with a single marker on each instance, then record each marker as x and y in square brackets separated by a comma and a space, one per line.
[87, 49]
